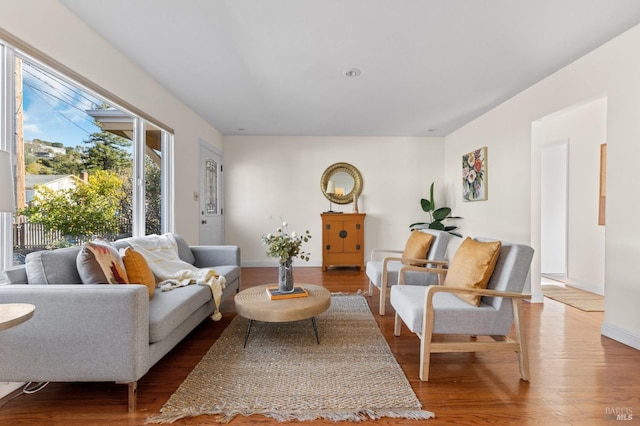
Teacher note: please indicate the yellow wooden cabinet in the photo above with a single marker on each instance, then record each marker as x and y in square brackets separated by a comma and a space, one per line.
[342, 240]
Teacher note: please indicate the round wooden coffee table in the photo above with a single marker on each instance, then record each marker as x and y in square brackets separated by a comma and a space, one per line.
[254, 304]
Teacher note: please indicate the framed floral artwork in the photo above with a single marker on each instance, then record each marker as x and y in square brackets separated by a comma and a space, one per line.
[474, 175]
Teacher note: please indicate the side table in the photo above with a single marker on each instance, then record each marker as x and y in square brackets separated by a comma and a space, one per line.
[12, 314]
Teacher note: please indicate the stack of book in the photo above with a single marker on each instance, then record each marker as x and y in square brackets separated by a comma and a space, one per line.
[274, 293]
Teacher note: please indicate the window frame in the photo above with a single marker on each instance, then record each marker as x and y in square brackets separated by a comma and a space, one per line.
[10, 48]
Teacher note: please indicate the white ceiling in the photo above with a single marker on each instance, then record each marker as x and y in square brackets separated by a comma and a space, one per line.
[276, 67]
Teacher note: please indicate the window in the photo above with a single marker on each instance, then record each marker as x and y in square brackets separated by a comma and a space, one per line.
[84, 166]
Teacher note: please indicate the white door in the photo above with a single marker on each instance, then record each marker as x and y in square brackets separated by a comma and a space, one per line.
[211, 196]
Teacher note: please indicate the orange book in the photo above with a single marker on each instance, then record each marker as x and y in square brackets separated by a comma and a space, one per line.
[274, 293]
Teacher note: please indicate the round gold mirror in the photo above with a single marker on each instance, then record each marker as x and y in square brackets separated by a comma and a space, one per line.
[343, 181]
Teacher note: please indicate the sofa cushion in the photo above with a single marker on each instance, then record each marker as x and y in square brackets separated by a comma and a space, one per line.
[53, 266]
[98, 262]
[450, 311]
[169, 309]
[138, 270]
[229, 272]
[183, 250]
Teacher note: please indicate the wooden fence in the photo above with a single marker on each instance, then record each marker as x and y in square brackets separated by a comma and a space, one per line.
[29, 237]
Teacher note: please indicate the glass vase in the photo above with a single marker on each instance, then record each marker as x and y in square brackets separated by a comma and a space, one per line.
[285, 277]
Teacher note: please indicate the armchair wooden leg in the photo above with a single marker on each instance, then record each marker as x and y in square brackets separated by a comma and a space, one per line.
[133, 396]
[383, 292]
[425, 357]
[370, 288]
[425, 339]
[523, 355]
[397, 325]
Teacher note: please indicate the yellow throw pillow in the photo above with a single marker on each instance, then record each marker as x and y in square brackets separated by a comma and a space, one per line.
[138, 270]
[472, 266]
[417, 246]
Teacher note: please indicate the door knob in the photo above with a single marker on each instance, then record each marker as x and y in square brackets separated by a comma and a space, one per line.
[204, 221]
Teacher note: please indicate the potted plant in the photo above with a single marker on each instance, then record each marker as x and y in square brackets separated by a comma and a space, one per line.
[285, 246]
[436, 216]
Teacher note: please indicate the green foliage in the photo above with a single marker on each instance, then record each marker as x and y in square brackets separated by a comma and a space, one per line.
[153, 197]
[436, 216]
[285, 245]
[88, 209]
[101, 151]
[68, 164]
[82, 212]
[106, 151]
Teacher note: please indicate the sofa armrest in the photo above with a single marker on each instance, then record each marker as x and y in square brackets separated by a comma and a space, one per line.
[14, 275]
[207, 256]
[77, 333]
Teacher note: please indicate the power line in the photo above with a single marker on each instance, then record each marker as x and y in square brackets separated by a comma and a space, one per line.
[48, 77]
[65, 101]
[55, 110]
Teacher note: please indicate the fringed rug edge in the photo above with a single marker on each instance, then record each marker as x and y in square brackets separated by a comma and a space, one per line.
[361, 415]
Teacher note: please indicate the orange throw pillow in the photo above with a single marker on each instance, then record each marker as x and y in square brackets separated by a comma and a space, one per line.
[138, 270]
[417, 246]
[472, 266]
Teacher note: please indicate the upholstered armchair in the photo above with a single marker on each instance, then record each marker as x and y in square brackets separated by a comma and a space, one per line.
[463, 306]
[425, 247]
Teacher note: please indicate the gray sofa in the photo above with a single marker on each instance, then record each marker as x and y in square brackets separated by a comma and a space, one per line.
[94, 333]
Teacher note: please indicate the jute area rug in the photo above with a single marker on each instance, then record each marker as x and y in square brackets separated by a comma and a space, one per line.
[285, 375]
[582, 300]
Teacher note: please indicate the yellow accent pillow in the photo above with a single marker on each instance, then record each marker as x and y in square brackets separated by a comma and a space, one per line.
[472, 266]
[417, 246]
[138, 270]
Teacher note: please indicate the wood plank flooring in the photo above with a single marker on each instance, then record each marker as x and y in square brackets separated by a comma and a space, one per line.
[577, 376]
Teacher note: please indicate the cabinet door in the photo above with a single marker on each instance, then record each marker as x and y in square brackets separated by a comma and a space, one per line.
[344, 236]
[335, 240]
[350, 235]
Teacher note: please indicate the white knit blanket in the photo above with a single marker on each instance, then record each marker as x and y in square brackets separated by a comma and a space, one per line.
[161, 253]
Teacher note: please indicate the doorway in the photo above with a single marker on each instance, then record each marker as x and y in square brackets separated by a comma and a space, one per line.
[211, 196]
[578, 237]
[554, 209]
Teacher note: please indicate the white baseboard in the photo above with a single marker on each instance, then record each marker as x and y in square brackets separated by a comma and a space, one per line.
[621, 335]
[7, 387]
[536, 298]
[590, 287]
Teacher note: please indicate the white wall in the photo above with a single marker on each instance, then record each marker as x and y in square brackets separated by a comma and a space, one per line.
[585, 127]
[54, 30]
[512, 211]
[280, 176]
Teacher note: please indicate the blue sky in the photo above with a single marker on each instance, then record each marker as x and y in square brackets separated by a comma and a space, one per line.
[54, 109]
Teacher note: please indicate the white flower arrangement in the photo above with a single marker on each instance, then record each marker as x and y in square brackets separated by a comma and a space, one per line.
[286, 246]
